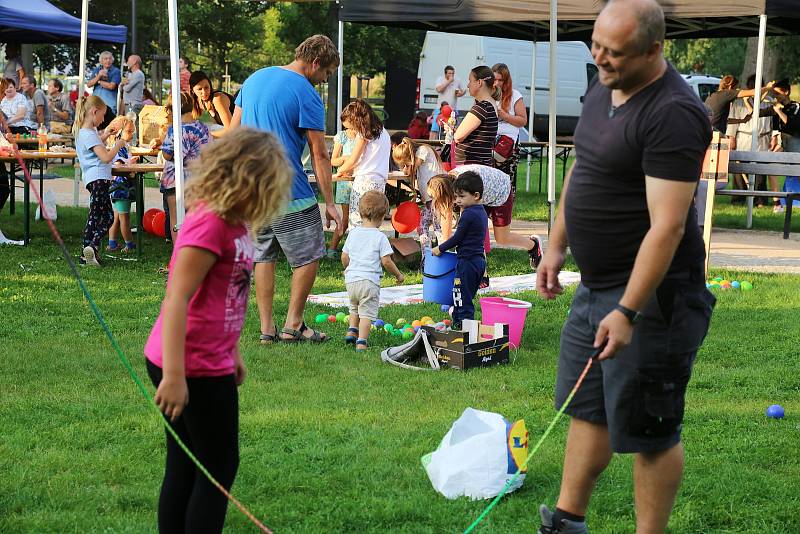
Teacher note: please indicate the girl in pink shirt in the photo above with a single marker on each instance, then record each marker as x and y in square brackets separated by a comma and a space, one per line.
[192, 353]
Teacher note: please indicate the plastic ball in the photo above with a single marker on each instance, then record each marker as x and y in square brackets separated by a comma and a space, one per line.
[406, 326]
[427, 318]
[416, 324]
[397, 333]
[746, 286]
[445, 307]
[388, 328]
[775, 411]
[379, 323]
[407, 335]
[736, 284]
[447, 322]
[725, 284]
[416, 329]
[441, 327]
[331, 318]
[373, 327]
[400, 322]
[715, 285]
[340, 316]
[718, 279]
[321, 318]
[346, 319]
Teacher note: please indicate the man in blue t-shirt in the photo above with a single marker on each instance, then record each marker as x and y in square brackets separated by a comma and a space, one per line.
[105, 79]
[283, 101]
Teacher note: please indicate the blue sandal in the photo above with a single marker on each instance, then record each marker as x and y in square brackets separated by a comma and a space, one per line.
[363, 344]
[351, 336]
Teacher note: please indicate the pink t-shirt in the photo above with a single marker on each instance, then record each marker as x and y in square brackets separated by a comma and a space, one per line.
[216, 311]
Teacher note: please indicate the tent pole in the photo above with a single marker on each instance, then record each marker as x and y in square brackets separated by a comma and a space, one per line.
[340, 76]
[530, 115]
[762, 30]
[81, 78]
[551, 123]
[175, 77]
[122, 63]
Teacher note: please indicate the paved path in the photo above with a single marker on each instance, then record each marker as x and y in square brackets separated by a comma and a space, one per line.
[745, 250]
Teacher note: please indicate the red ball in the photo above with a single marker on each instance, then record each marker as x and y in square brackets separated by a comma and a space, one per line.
[331, 318]
[157, 226]
[147, 219]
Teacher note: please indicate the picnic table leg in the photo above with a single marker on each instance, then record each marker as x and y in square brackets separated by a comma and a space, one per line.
[139, 179]
[41, 181]
[12, 196]
[541, 164]
[787, 217]
[26, 211]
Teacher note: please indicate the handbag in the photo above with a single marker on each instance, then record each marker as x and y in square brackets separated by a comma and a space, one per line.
[503, 148]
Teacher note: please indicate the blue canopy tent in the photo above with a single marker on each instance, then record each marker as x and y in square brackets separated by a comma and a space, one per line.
[39, 21]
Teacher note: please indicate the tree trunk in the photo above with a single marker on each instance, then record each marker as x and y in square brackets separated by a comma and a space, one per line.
[770, 62]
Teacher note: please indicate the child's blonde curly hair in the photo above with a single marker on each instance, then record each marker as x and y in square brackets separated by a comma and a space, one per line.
[120, 123]
[244, 177]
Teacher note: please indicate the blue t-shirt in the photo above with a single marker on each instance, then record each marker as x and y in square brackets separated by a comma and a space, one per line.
[109, 96]
[284, 103]
[91, 167]
[471, 231]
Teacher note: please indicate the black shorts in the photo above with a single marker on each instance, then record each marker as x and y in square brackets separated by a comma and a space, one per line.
[638, 394]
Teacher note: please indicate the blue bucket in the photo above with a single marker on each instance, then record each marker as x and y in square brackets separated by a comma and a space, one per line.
[438, 277]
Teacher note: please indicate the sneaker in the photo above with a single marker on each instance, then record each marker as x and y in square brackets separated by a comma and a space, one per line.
[536, 252]
[91, 256]
[566, 526]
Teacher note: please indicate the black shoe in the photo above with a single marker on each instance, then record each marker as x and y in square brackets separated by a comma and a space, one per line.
[536, 252]
[484, 283]
[566, 526]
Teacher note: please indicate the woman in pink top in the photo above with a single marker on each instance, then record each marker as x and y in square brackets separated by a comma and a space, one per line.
[192, 353]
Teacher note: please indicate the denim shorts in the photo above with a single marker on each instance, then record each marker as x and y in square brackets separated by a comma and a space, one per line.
[638, 394]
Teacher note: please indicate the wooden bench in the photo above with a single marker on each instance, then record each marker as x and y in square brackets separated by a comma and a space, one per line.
[720, 161]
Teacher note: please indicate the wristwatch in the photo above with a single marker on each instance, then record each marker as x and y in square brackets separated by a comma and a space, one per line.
[633, 316]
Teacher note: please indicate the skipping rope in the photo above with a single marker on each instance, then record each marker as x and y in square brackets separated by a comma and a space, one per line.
[558, 415]
[124, 359]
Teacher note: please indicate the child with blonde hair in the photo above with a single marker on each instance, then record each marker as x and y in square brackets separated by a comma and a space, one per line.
[95, 161]
[369, 161]
[121, 190]
[366, 253]
[240, 182]
[343, 145]
[421, 163]
[194, 134]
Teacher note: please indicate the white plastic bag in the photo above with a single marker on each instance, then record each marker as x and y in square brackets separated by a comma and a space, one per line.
[49, 199]
[477, 457]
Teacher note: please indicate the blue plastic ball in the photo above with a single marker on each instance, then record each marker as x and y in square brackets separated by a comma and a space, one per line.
[379, 323]
[735, 284]
[775, 411]
[445, 307]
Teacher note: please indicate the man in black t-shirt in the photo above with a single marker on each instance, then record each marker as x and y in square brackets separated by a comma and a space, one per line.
[627, 216]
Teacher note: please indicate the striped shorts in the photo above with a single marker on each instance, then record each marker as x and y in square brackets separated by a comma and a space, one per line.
[298, 234]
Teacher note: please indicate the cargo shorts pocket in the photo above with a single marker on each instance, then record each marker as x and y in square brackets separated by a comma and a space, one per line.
[657, 408]
[688, 315]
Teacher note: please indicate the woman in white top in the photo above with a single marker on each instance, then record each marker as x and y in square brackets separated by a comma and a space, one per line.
[512, 116]
[368, 164]
[15, 107]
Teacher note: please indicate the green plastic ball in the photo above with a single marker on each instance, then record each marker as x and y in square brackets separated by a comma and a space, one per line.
[746, 286]
[400, 322]
[388, 328]
[407, 335]
[340, 316]
[321, 318]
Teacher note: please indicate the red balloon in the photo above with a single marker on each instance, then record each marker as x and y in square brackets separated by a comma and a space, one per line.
[406, 217]
[158, 224]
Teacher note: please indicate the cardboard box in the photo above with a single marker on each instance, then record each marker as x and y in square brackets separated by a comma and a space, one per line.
[150, 120]
[406, 251]
[478, 345]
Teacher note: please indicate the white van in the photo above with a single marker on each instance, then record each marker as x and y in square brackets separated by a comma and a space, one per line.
[574, 69]
[702, 85]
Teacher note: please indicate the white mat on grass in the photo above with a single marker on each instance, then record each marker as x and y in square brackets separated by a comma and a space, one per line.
[412, 294]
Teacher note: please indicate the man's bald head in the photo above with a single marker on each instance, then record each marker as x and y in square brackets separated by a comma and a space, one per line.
[647, 16]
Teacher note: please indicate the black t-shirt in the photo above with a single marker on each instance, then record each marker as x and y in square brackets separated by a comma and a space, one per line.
[719, 104]
[792, 126]
[231, 106]
[478, 146]
[663, 132]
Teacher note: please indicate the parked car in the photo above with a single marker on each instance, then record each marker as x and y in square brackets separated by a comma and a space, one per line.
[702, 85]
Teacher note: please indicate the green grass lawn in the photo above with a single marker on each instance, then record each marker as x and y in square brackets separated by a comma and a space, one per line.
[331, 441]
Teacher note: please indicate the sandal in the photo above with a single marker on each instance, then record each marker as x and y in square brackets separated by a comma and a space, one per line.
[352, 336]
[269, 339]
[298, 337]
[361, 345]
